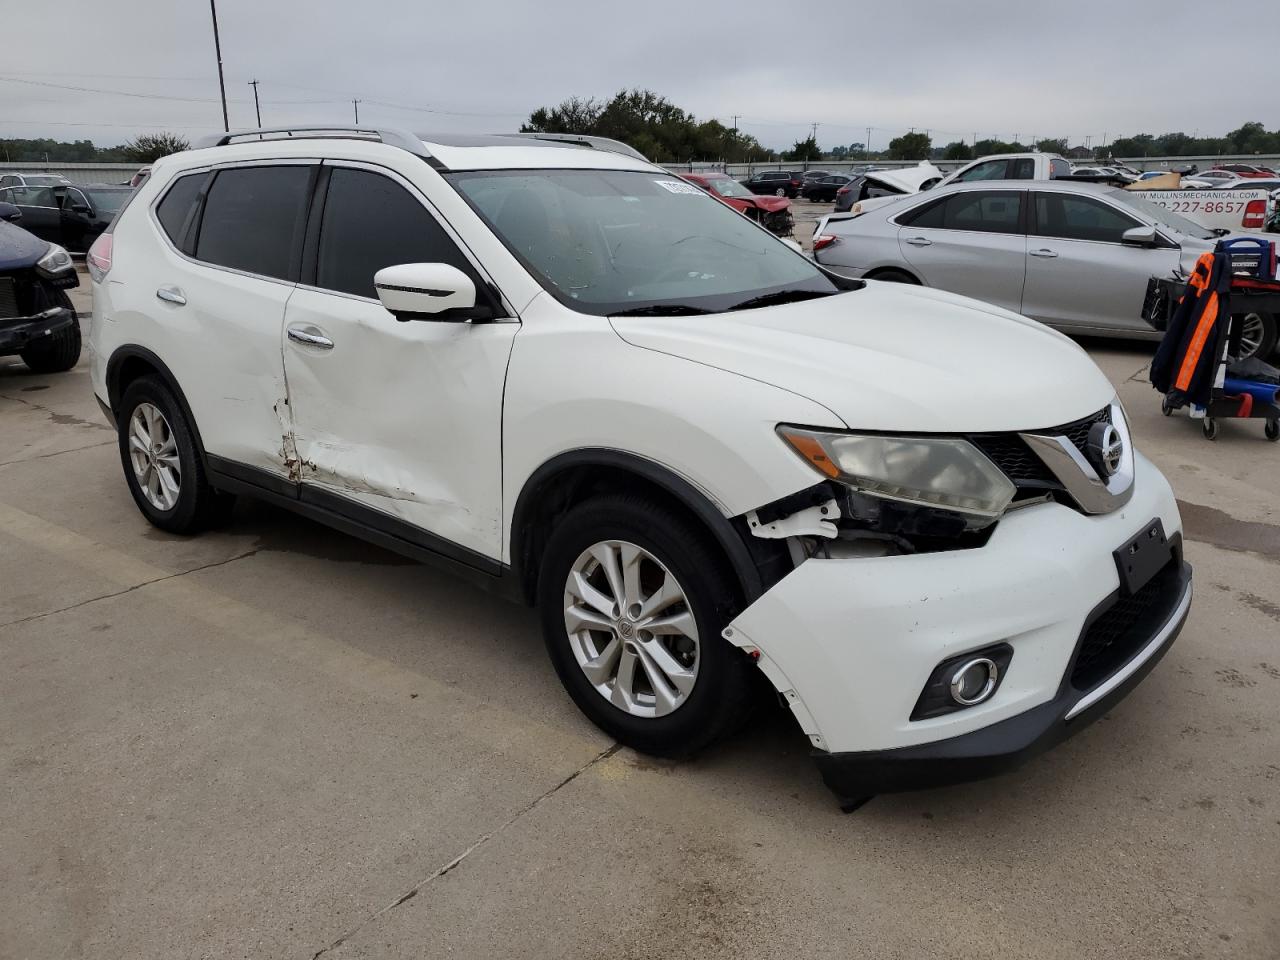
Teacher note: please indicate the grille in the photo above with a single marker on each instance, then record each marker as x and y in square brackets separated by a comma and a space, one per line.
[1124, 627]
[1078, 432]
[1015, 459]
[8, 299]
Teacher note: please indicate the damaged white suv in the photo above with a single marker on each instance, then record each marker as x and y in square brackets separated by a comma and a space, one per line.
[561, 370]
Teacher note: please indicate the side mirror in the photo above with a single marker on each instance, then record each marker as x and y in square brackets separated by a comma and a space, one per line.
[426, 291]
[81, 208]
[9, 213]
[1139, 237]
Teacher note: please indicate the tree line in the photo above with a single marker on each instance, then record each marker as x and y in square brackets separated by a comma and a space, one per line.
[146, 148]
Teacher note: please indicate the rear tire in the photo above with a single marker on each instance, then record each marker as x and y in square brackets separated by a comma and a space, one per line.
[894, 276]
[162, 465]
[56, 353]
[1261, 330]
[711, 684]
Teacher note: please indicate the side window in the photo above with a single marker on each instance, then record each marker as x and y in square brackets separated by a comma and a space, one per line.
[1059, 168]
[70, 198]
[991, 170]
[38, 197]
[177, 206]
[253, 219]
[927, 216]
[1070, 217]
[984, 212]
[8, 181]
[371, 222]
[1023, 168]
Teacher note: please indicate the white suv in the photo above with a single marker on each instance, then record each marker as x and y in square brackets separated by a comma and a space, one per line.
[566, 373]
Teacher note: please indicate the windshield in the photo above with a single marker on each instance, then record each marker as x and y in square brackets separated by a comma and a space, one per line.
[611, 241]
[728, 187]
[1161, 215]
[107, 201]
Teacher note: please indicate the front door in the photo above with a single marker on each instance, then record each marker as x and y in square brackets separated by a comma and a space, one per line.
[970, 242]
[1079, 274]
[396, 424]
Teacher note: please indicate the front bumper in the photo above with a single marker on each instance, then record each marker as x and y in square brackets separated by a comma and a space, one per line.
[1008, 744]
[851, 643]
[18, 333]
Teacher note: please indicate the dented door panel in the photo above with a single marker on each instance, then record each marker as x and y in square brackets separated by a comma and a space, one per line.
[402, 417]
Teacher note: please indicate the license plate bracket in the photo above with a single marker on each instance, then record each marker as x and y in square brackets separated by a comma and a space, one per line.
[1142, 557]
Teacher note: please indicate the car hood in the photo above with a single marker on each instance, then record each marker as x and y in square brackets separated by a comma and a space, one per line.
[906, 179]
[772, 204]
[895, 357]
[18, 248]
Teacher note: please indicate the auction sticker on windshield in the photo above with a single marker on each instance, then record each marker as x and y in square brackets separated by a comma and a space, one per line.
[675, 186]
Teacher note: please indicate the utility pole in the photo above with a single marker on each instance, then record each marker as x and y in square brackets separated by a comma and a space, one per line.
[866, 147]
[813, 131]
[355, 105]
[217, 49]
[736, 118]
[257, 110]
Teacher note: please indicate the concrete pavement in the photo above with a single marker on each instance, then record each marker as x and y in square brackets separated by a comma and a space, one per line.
[277, 741]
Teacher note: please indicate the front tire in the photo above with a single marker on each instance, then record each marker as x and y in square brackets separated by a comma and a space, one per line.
[58, 352]
[162, 466]
[632, 602]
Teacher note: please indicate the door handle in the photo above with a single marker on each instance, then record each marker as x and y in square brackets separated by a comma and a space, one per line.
[172, 295]
[310, 335]
[1043, 254]
[918, 242]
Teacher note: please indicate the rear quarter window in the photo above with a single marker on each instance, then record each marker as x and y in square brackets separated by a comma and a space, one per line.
[175, 210]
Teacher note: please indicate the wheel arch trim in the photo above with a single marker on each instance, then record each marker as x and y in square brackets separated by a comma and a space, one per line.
[698, 503]
[133, 351]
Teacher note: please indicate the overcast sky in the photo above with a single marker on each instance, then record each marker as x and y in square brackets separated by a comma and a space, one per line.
[988, 67]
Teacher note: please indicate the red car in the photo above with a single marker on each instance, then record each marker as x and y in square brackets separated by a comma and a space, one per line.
[772, 213]
[1249, 170]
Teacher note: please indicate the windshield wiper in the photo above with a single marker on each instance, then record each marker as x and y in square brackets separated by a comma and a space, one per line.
[662, 310]
[781, 296]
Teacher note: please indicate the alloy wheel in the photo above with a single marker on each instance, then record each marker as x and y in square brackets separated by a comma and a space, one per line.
[1252, 332]
[631, 629]
[153, 451]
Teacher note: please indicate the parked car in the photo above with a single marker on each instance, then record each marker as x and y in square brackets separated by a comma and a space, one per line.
[31, 180]
[823, 190]
[1010, 166]
[893, 182]
[582, 382]
[772, 213]
[1247, 170]
[810, 175]
[780, 183]
[68, 214]
[1208, 179]
[1076, 256]
[37, 321]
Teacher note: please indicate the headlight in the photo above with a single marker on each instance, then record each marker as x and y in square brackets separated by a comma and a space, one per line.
[57, 260]
[944, 473]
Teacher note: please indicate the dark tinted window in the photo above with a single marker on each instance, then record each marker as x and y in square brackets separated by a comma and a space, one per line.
[1023, 168]
[926, 217]
[371, 222]
[177, 205]
[985, 212]
[1059, 168]
[253, 219]
[1080, 218]
[991, 170]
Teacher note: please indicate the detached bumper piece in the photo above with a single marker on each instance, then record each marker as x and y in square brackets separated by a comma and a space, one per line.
[16, 333]
[1122, 640]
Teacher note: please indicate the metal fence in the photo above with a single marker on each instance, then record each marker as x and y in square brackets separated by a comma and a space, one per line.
[79, 172]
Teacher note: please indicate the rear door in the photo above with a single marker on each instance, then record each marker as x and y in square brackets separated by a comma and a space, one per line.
[235, 236]
[1079, 275]
[40, 213]
[971, 242]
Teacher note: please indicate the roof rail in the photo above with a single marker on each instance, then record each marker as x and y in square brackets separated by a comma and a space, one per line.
[391, 137]
[582, 140]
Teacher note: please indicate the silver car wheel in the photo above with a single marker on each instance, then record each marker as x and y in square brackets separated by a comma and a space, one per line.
[631, 629]
[1252, 332]
[780, 192]
[154, 455]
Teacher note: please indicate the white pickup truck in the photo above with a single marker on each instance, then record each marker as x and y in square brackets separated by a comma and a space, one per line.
[1233, 210]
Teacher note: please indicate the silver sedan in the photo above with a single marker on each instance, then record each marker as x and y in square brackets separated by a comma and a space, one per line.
[1076, 256]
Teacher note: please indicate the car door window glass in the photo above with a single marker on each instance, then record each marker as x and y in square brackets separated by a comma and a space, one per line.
[371, 222]
[991, 170]
[983, 212]
[1023, 168]
[253, 219]
[176, 207]
[928, 216]
[38, 197]
[1071, 217]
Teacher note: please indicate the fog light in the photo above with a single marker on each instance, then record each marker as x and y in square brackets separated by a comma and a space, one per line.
[963, 681]
[974, 681]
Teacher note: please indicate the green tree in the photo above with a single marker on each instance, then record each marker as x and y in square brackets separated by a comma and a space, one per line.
[910, 146]
[957, 150]
[575, 115]
[148, 148]
[805, 151]
[1058, 145]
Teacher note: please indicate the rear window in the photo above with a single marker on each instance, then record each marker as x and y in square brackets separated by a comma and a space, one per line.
[175, 210]
[253, 219]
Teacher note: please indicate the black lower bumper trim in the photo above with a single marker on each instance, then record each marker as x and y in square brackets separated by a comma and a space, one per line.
[993, 750]
[17, 334]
